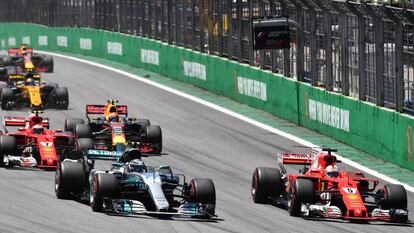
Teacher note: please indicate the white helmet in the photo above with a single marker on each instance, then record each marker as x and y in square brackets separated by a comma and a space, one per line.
[136, 165]
[332, 171]
[38, 129]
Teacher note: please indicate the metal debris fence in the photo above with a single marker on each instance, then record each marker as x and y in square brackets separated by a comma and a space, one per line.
[358, 49]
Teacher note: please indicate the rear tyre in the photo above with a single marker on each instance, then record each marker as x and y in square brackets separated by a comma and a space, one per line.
[48, 62]
[395, 197]
[266, 182]
[143, 122]
[6, 61]
[84, 144]
[104, 185]
[69, 178]
[204, 192]
[301, 191]
[82, 131]
[7, 146]
[153, 135]
[62, 98]
[6, 96]
[70, 123]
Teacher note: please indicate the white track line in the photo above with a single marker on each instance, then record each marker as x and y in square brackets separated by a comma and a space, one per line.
[236, 115]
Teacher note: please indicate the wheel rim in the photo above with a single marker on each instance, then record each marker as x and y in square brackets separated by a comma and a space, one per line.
[57, 180]
[254, 185]
[92, 191]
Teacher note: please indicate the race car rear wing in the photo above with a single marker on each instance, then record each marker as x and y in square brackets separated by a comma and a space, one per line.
[295, 158]
[103, 154]
[101, 109]
[21, 121]
[16, 51]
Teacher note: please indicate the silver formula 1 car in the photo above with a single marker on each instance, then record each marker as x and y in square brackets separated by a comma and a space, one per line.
[131, 187]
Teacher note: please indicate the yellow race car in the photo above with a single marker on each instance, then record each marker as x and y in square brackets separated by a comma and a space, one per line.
[27, 90]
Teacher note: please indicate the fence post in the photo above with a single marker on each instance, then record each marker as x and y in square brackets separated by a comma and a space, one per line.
[344, 54]
[220, 28]
[239, 10]
[379, 60]
[399, 69]
[230, 29]
[300, 44]
[328, 49]
[361, 59]
[313, 49]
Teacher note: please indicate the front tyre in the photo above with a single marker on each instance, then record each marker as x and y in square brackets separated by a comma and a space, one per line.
[6, 96]
[7, 146]
[301, 191]
[104, 185]
[69, 178]
[394, 197]
[203, 192]
[153, 135]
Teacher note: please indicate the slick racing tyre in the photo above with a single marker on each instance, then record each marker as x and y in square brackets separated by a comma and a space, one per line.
[83, 131]
[6, 97]
[6, 61]
[7, 146]
[69, 178]
[143, 122]
[84, 144]
[48, 62]
[154, 136]
[266, 182]
[104, 185]
[301, 191]
[61, 98]
[204, 192]
[70, 123]
[394, 197]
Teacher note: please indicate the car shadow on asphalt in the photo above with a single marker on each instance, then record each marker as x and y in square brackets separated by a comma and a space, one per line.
[168, 218]
[371, 223]
[17, 168]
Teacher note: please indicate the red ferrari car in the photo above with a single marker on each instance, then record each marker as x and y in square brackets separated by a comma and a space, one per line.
[34, 144]
[322, 190]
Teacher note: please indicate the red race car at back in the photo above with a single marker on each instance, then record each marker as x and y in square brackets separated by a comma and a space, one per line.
[325, 191]
[34, 144]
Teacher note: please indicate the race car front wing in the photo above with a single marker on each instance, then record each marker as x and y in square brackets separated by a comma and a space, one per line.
[127, 207]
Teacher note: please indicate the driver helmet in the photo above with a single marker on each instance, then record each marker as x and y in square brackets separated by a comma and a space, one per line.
[23, 50]
[29, 81]
[113, 117]
[130, 154]
[38, 129]
[136, 165]
[332, 171]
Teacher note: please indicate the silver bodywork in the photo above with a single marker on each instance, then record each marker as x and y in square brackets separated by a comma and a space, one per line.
[151, 184]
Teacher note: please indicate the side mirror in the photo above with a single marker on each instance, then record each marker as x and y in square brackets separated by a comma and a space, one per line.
[165, 170]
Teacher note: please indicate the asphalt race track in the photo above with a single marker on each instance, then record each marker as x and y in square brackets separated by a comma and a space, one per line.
[200, 142]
